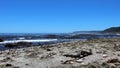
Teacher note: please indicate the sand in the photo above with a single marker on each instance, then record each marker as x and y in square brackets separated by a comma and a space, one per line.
[52, 56]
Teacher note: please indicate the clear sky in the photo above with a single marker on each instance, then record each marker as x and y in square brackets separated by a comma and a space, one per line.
[57, 16]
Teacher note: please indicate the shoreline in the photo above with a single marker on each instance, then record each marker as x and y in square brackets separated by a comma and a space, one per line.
[53, 55]
[36, 40]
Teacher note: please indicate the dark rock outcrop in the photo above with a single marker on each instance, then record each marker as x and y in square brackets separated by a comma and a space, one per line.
[82, 54]
[19, 44]
[1, 40]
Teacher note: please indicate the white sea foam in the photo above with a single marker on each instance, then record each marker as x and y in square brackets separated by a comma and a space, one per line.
[36, 40]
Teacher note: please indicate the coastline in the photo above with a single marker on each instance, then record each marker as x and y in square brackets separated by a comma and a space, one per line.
[53, 55]
[36, 40]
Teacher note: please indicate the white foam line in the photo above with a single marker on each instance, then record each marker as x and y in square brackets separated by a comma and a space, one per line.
[38, 40]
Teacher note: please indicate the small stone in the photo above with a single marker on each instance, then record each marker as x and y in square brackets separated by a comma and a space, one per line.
[49, 49]
[98, 51]
[118, 54]
[71, 62]
[105, 55]
[84, 64]
[26, 64]
[8, 65]
[79, 61]
[68, 62]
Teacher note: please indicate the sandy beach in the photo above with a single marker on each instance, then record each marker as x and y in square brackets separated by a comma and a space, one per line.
[96, 53]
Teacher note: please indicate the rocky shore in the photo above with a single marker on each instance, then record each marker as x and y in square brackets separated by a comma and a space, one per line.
[96, 53]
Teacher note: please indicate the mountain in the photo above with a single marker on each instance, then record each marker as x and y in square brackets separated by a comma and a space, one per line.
[112, 30]
[86, 32]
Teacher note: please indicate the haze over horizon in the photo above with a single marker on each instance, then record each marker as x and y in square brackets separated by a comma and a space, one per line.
[58, 16]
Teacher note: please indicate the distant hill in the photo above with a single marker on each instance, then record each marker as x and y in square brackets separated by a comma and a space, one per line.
[86, 32]
[113, 30]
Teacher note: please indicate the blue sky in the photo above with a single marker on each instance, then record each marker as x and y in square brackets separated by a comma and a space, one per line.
[58, 16]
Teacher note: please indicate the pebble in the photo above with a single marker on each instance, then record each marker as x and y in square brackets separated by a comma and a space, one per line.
[105, 55]
[84, 64]
[79, 61]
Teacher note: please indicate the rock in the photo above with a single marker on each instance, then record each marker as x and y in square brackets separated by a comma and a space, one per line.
[86, 53]
[84, 64]
[118, 54]
[79, 61]
[9, 65]
[32, 55]
[12, 66]
[16, 67]
[92, 66]
[82, 54]
[104, 64]
[105, 55]
[71, 62]
[49, 55]
[1, 40]
[18, 44]
[49, 49]
[98, 52]
[113, 60]
[72, 56]
[7, 59]
[112, 66]
[26, 64]
[68, 62]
